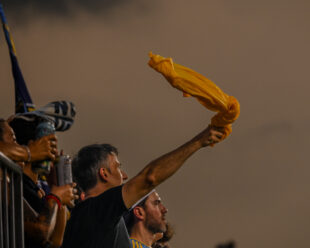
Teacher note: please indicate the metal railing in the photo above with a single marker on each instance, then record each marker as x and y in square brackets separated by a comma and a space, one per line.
[11, 207]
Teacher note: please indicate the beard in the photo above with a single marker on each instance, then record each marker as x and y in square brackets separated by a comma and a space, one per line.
[155, 226]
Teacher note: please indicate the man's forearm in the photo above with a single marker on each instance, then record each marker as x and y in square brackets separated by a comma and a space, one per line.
[158, 171]
[165, 166]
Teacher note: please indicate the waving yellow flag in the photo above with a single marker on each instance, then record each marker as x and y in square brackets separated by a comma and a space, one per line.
[194, 84]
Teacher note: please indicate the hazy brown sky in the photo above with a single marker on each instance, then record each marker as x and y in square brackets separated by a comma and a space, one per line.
[254, 187]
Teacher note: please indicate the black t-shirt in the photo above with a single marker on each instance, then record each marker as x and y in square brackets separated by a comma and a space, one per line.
[98, 223]
[31, 194]
[37, 203]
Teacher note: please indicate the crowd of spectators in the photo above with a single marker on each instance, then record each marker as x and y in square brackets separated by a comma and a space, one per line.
[107, 213]
[45, 214]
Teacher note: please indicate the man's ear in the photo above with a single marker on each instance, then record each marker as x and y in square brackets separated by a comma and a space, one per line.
[82, 196]
[139, 213]
[103, 174]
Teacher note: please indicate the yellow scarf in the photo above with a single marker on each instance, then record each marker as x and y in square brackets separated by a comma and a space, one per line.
[204, 90]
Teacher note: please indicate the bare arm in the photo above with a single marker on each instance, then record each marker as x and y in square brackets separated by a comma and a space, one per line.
[49, 225]
[44, 148]
[59, 230]
[15, 152]
[165, 166]
[40, 226]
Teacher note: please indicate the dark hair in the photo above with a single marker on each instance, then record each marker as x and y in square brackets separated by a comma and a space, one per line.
[87, 162]
[24, 130]
[2, 121]
[130, 217]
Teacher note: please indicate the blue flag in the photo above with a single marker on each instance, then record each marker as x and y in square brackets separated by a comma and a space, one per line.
[23, 102]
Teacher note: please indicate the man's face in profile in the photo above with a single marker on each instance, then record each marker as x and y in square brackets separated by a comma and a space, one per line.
[155, 211]
[116, 175]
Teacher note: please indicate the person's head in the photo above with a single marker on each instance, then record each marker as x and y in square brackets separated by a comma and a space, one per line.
[24, 130]
[149, 214]
[7, 134]
[95, 164]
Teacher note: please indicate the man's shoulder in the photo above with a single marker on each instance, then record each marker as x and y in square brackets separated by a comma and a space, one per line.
[111, 198]
[112, 195]
[112, 191]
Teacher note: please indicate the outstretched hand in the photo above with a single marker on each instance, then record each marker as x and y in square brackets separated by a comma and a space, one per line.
[43, 148]
[210, 136]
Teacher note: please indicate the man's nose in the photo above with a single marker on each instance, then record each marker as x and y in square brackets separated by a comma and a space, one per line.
[124, 175]
[164, 210]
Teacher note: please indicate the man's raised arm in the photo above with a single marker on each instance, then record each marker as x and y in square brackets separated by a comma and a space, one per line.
[165, 166]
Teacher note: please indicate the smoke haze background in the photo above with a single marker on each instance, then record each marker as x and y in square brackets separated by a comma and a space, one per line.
[253, 187]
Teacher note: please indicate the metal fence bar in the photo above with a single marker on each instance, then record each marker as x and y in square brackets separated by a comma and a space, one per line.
[12, 211]
[11, 207]
[19, 211]
[6, 162]
[5, 209]
[1, 212]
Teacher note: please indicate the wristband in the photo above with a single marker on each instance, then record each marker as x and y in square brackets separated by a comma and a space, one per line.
[29, 153]
[55, 198]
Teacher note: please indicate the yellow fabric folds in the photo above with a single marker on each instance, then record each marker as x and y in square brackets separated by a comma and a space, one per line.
[194, 84]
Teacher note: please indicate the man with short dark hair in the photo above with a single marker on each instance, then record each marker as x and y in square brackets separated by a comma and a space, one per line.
[97, 221]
